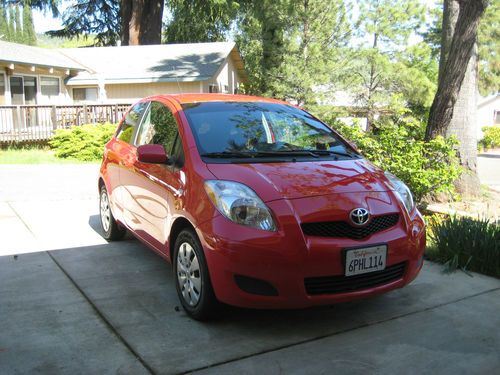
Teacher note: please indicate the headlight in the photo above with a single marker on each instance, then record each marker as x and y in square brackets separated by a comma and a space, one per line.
[402, 190]
[240, 204]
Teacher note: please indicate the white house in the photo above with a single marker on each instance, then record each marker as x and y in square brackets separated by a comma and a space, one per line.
[31, 75]
[488, 113]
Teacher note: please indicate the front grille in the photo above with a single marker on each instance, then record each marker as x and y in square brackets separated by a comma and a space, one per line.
[342, 229]
[344, 284]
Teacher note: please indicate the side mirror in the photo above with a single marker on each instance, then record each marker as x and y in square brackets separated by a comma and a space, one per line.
[152, 154]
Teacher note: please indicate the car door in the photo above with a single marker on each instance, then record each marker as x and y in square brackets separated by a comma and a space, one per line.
[121, 153]
[154, 190]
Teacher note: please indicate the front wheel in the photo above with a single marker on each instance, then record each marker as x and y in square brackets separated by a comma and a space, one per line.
[112, 230]
[191, 277]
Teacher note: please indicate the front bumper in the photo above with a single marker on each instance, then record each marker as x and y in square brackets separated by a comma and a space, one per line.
[285, 258]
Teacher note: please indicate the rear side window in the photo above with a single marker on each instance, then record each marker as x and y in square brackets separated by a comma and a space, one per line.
[131, 122]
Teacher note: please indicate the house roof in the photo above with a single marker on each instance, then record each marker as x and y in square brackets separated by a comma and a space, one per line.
[22, 54]
[152, 63]
[482, 101]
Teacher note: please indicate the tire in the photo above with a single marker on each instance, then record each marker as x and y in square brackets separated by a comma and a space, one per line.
[192, 279]
[112, 230]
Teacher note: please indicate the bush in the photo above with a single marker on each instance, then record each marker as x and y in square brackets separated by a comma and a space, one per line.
[491, 137]
[85, 142]
[466, 243]
[397, 146]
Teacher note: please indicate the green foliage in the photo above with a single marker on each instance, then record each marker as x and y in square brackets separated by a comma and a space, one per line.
[213, 20]
[84, 143]
[491, 138]
[489, 50]
[397, 146]
[466, 243]
[99, 19]
[4, 27]
[383, 64]
[11, 27]
[46, 41]
[291, 47]
[29, 35]
[18, 26]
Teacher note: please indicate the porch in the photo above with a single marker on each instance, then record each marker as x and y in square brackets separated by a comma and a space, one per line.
[19, 123]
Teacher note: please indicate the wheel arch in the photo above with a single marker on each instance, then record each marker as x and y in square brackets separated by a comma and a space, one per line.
[101, 183]
[179, 224]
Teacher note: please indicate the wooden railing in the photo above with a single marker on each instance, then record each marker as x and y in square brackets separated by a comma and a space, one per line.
[38, 122]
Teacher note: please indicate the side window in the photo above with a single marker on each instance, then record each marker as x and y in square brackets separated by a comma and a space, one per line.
[159, 127]
[132, 120]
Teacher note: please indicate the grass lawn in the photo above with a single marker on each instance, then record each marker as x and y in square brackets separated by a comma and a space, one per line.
[33, 156]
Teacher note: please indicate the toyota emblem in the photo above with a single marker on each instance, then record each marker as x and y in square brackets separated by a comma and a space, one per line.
[359, 216]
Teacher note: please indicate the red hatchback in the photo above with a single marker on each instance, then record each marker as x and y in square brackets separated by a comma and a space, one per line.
[256, 203]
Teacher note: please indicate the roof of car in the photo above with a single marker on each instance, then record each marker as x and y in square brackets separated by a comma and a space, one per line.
[200, 98]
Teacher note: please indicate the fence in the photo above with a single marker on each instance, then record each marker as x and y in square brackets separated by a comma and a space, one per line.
[38, 122]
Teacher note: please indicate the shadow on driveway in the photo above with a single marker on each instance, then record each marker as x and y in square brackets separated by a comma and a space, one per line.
[114, 308]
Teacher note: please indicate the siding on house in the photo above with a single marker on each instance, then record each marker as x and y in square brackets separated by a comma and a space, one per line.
[132, 93]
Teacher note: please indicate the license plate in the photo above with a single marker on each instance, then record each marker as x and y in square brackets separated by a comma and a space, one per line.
[364, 260]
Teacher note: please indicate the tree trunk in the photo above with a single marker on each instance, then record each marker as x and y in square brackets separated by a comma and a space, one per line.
[453, 73]
[151, 22]
[141, 21]
[454, 112]
[463, 127]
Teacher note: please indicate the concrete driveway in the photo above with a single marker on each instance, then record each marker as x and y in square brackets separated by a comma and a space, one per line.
[71, 303]
[488, 168]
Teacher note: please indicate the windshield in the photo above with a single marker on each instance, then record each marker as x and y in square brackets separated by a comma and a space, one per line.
[264, 130]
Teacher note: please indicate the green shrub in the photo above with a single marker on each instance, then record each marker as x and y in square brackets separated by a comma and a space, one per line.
[85, 142]
[491, 137]
[397, 146]
[466, 243]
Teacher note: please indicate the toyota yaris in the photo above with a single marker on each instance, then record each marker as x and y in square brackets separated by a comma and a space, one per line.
[256, 203]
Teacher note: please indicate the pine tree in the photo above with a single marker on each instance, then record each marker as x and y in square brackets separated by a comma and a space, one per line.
[11, 28]
[18, 31]
[4, 28]
[29, 35]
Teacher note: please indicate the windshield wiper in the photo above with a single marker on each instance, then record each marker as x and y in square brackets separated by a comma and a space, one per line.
[258, 154]
[227, 154]
[331, 152]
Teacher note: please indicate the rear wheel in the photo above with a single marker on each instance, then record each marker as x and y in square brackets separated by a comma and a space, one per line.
[112, 230]
[191, 277]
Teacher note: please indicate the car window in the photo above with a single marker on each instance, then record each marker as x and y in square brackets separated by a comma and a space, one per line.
[253, 127]
[131, 121]
[159, 126]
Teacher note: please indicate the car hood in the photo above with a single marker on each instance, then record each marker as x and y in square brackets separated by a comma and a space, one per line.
[292, 180]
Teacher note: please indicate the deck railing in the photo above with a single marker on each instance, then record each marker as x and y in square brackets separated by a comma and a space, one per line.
[38, 122]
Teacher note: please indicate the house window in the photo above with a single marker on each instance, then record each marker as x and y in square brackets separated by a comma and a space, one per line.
[50, 86]
[85, 94]
[497, 118]
[213, 88]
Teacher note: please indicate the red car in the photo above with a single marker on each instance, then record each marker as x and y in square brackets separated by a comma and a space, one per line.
[256, 203]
